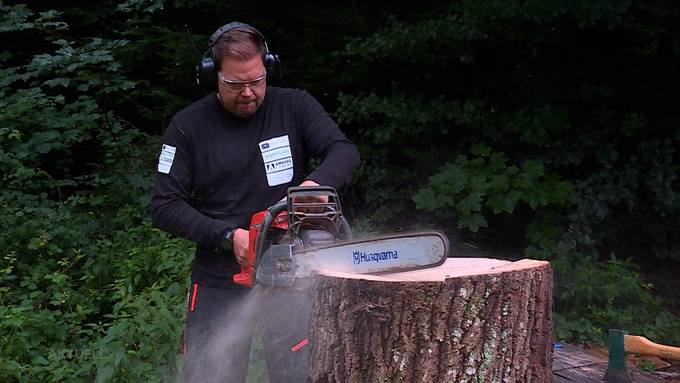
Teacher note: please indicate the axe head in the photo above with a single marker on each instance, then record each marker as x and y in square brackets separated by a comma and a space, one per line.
[616, 368]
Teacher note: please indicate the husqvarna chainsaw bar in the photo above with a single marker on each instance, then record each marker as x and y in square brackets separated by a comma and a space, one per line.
[281, 265]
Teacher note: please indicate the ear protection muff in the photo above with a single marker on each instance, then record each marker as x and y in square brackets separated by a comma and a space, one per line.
[206, 70]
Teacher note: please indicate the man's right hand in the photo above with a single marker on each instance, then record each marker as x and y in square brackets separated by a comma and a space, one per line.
[241, 247]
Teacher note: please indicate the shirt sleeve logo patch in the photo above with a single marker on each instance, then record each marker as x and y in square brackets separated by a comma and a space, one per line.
[278, 160]
[166, 158]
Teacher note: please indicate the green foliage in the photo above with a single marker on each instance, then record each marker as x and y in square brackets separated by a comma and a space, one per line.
[593, 297]
[89, 289]
[647, 365]
[102, 302]
[395, 132]
[141, 6]
[549, 127]
[469, 113]
[18, 17]
[467, 186]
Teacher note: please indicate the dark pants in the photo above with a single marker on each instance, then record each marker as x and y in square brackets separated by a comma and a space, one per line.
[284, 321]
[220, 325]
[219, 328]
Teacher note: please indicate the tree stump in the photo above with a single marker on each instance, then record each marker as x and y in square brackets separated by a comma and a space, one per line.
[468, 320]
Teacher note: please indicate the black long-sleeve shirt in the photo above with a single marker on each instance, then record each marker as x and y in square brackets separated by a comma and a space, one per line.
[215, 170]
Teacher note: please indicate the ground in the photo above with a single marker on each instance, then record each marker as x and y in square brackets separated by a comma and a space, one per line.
[588, 364]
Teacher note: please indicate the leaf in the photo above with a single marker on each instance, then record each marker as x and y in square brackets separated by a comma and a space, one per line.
[40, 360]
[471, 203]
[480, 150]
[15, 18]
[105, 374]
[472, 222]
[61, 81]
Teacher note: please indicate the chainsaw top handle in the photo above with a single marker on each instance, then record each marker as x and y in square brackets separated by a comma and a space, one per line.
[310, 206]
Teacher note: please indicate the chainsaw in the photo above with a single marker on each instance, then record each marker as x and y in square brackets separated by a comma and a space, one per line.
[300, 235]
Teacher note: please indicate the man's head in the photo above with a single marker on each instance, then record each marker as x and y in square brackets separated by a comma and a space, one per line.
[241, 76]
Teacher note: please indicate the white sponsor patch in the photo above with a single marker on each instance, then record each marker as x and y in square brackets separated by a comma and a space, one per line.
[166, 158]
[278, 160]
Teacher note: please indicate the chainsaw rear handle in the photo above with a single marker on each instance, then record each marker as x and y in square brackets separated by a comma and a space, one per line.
[269, 218]
[256, 243]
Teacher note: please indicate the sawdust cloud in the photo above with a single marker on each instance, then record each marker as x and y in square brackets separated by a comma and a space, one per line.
[234, 322]
[262, 306]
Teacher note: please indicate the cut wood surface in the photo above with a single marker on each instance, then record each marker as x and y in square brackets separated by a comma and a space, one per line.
[468, 320]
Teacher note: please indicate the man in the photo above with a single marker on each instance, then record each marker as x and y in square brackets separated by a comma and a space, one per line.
[224, 157]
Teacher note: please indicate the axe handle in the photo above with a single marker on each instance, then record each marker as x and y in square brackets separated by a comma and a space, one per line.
[642, 345]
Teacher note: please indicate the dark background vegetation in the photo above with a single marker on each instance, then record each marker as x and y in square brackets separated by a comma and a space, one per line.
[536, 128]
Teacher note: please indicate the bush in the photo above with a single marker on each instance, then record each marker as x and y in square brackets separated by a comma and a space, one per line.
[105, 303]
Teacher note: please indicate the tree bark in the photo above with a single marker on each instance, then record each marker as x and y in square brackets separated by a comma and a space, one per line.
[468, 320]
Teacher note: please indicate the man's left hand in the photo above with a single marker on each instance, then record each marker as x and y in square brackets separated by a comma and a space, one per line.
[312, 199]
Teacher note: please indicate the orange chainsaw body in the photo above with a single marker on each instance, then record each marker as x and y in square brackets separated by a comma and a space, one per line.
[247, 275]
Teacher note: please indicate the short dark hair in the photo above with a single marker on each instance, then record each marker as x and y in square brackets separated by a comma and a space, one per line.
[242, 43]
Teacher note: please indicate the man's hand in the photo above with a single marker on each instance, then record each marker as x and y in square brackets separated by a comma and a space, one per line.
[241, 247]
[321, 199]
[309, 183]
